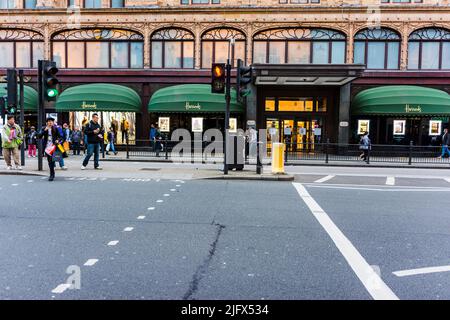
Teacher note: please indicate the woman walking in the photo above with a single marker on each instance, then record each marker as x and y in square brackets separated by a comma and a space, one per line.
[51, 138]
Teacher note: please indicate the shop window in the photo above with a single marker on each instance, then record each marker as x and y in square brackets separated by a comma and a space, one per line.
[270, 104]
[299, 45]
[106, 48]
[295, 104]
[377, 48]
[20, 48]
[215, 46]
[30, 4]
[428, 49]
[172, 48]
[321, 104]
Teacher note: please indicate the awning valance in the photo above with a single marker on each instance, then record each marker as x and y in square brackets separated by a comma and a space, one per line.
[99, 97]
[192, 98]
[30, 97]
[401, 100]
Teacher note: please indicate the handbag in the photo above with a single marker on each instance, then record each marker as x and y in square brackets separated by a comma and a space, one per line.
[108, 147]
[66, 146]
[50, 150]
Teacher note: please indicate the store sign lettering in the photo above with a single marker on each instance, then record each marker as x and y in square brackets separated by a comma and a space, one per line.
[409, 109]
[85, 105]
[189, 106]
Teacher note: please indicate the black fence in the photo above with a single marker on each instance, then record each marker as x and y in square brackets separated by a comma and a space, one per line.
[294, 153]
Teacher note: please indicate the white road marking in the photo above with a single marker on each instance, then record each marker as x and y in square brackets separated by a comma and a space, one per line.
[141, 217]
[381, 189]
[70, 179]
[91, 179]
[166, 195]
[366, 274]
[390, 181]
[103, 179]
[173, 190]
[159, 201]
[324, 179]
[90, 262]
[61, 288]
[84, 178]
[178, 185]
[15, 184]
[151, 208]
[43, 178]
[413, 272]
[158, 180]
[113, 243]
[30, 181]
[128, 229]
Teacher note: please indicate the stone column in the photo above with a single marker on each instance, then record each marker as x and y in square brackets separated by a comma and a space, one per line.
[344, 114]
[47, 42]
[404, 48]
[350, 42]
[147, 56]
[249, 49]
[198, 47]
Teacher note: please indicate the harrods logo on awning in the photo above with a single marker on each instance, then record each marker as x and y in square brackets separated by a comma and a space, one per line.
[85, 105]
[409, 109]
[189, 106]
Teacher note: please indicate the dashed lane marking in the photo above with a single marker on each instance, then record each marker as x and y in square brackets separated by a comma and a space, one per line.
[166, 195]
[141, 217]
[15, 184]
[324, 179]
[90, 262]
[366, 274]
[413, 272]
[178, 185]
[113, 242]
[128, 229]
[61, 288]
[173, 190]
[151, 208]
[390, 181]
[29, 181]
[159, 201]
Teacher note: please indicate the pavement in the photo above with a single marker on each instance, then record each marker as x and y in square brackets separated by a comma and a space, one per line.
[141, 232]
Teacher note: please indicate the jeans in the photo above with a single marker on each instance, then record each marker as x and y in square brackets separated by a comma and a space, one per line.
[111, 147]
[61, 162]
[51, 166]
[93, 148]
[444, 151]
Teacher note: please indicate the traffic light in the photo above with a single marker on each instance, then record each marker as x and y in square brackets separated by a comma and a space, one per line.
[218, 78]
[50, 82]
[244, 77]
[11, 96]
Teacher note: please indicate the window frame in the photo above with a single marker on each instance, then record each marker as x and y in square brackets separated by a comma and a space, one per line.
[163, 48]
[30, 41]
[421, 41]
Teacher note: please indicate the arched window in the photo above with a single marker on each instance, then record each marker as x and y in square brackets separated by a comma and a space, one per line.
[20, 48]
[299, 45]
[377, 48]
[98, 48]
[172, 48]
[215, 45]
[429, 49]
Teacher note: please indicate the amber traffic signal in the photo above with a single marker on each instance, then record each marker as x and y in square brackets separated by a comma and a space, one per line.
[218, 78]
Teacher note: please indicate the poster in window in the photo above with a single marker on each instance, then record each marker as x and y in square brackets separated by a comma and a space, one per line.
[233, 125]
[164, 124]
[435, 127]
[399, 127]
[363, 126]
[197, 124]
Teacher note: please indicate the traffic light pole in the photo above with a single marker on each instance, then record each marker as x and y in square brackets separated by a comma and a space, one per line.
[40, 112]
[227, 114]
[22, 117]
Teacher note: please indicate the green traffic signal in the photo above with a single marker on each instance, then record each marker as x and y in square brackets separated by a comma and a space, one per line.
[52, 93]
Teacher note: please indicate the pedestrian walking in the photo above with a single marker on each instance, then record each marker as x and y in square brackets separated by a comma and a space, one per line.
[51, 145]
[63, 134]
[76, 138]
[32, 142]
[365, 145]
[445, 140]
[111, 141]
[94, 136]
[158, 141]
[12, 139]
[152, 136]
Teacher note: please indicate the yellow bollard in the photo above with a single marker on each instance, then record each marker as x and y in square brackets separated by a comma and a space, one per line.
[278, 157]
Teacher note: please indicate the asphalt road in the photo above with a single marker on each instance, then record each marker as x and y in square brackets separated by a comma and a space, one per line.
[214, 239]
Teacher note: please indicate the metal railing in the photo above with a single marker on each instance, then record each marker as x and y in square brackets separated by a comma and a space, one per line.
[296, 153]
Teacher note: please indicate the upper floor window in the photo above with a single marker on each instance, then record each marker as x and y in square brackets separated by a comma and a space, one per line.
[377, 48]
[299, 45]
[20, 48]
[117, 3]
[7, 4]
[29, 4]
[200, 1]
[98, 48]
[429, 48]
[92, 4]
[299, 1]
[401, 1]
[172, 48]
[217, 48]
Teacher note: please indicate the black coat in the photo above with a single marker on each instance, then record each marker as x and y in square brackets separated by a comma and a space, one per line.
[445, 139]
[43, 134]
[89, 132]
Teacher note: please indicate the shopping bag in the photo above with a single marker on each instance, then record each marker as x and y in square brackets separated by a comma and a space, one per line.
[50, 150]
[57, 155]
[108, 147]
[66, 146]
[61, 148]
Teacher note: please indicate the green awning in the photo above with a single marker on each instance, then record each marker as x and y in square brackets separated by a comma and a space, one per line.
[99, 97]
[30, 97]
[401, 100]
[192, 98]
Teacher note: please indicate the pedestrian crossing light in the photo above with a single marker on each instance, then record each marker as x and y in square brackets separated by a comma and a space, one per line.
[244, 77]
[218, 78]
[50, 82]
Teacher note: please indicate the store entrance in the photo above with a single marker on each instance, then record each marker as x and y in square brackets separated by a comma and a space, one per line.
[299, 133]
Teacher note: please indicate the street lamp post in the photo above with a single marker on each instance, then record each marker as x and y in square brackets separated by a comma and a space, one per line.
[227, 104]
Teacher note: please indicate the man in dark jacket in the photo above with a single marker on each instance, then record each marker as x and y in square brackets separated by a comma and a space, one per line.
[50, 136]
[445, 142]
[94, 134]
[75, 137]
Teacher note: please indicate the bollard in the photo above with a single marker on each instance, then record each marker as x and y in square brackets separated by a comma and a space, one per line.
[277, 157]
